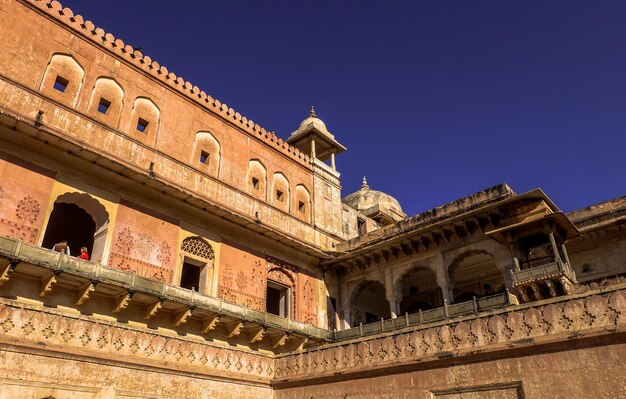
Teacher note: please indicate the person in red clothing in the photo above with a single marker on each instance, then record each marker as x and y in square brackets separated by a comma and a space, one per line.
[83, 253]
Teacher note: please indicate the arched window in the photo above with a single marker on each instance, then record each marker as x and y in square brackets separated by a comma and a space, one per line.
[207, 153]
[257, 179]
[419, 290]
[281, 193]
[197, 268]
[63, 79]
[106, 101]
[302, 204]
[144, 120]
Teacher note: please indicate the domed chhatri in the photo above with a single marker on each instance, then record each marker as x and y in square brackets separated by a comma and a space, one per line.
[313, 121]
[376, 205]
[313, 137]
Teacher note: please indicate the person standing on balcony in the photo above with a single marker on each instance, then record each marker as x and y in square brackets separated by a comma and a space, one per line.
[83, 253]
[62, 246]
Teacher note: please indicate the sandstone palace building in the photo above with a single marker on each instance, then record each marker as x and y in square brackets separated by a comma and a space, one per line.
[227, 263]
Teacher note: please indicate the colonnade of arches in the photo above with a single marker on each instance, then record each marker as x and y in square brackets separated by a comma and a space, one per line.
[473, 273]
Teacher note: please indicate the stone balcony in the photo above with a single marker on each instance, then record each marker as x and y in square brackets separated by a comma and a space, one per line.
[70, 282]
[557, 276]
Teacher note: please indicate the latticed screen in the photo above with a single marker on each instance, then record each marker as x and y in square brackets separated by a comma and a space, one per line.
[198, 247]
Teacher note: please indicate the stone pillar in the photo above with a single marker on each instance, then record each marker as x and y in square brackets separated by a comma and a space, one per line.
[443, 280]
[332, 160]
[506, 266]
[390, 294]
[313, 155]
[555, 249]
[344, 305]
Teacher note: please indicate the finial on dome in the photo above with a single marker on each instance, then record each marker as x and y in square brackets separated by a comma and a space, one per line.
[364, 185]
[312, 112]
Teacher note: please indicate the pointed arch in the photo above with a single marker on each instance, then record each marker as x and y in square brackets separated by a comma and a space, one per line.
[207, 153]
[145, 119]
[63, 78]
[82, 220]
[107, 100]
[474, 273]
[418, 289]
[302, 203]
[281, 193]
[368, 303]
[256, 180]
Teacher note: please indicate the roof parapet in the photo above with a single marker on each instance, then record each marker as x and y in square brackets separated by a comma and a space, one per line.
[154, 69]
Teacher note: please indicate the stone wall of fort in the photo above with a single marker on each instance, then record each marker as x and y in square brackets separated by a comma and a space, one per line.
[568, 348]
[94, 90]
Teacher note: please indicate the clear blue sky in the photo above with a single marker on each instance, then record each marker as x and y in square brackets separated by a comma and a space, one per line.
[434, 99]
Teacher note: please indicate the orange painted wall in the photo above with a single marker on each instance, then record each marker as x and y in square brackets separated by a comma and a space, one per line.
[27, 53]
[144, 243]
[243, 280]
[24, 194]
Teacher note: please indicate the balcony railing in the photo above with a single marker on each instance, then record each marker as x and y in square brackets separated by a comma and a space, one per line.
[429, 316]
[547, 270]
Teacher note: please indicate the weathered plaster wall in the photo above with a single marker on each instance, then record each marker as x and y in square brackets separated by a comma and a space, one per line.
[46, 351]
[144, 243]
[74, 377]
[571, 347]
[598, 258]
[568, 373]
[24, 195]
[174, 119]
[243, 280]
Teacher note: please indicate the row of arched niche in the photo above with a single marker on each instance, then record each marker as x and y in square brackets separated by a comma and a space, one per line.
[471, 274]
[63, 80]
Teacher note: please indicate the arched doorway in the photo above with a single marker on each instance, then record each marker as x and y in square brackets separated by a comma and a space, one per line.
[81, 220]
[475, 274]
[369, 303]
[419, 290]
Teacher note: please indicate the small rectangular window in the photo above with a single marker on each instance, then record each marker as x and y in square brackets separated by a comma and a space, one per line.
[190, 276]
[204, 157]
[60, 83]
[301, 206]
[277, 299]
[255, 183]
[142, 125]
[280, 196]
[103, 105]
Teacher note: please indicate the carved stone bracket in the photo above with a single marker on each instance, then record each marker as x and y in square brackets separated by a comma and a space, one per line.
[122, 302]
[256, 335]
[233, 329]
[282, 339]
[84, 291]
[6, 271]
[210, 324]
[181, 317]
[46, 284]
[153, 308]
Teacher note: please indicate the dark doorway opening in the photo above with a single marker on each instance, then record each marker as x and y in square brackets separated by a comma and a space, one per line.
[190, 277]
[277, 300]
[72, 223]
